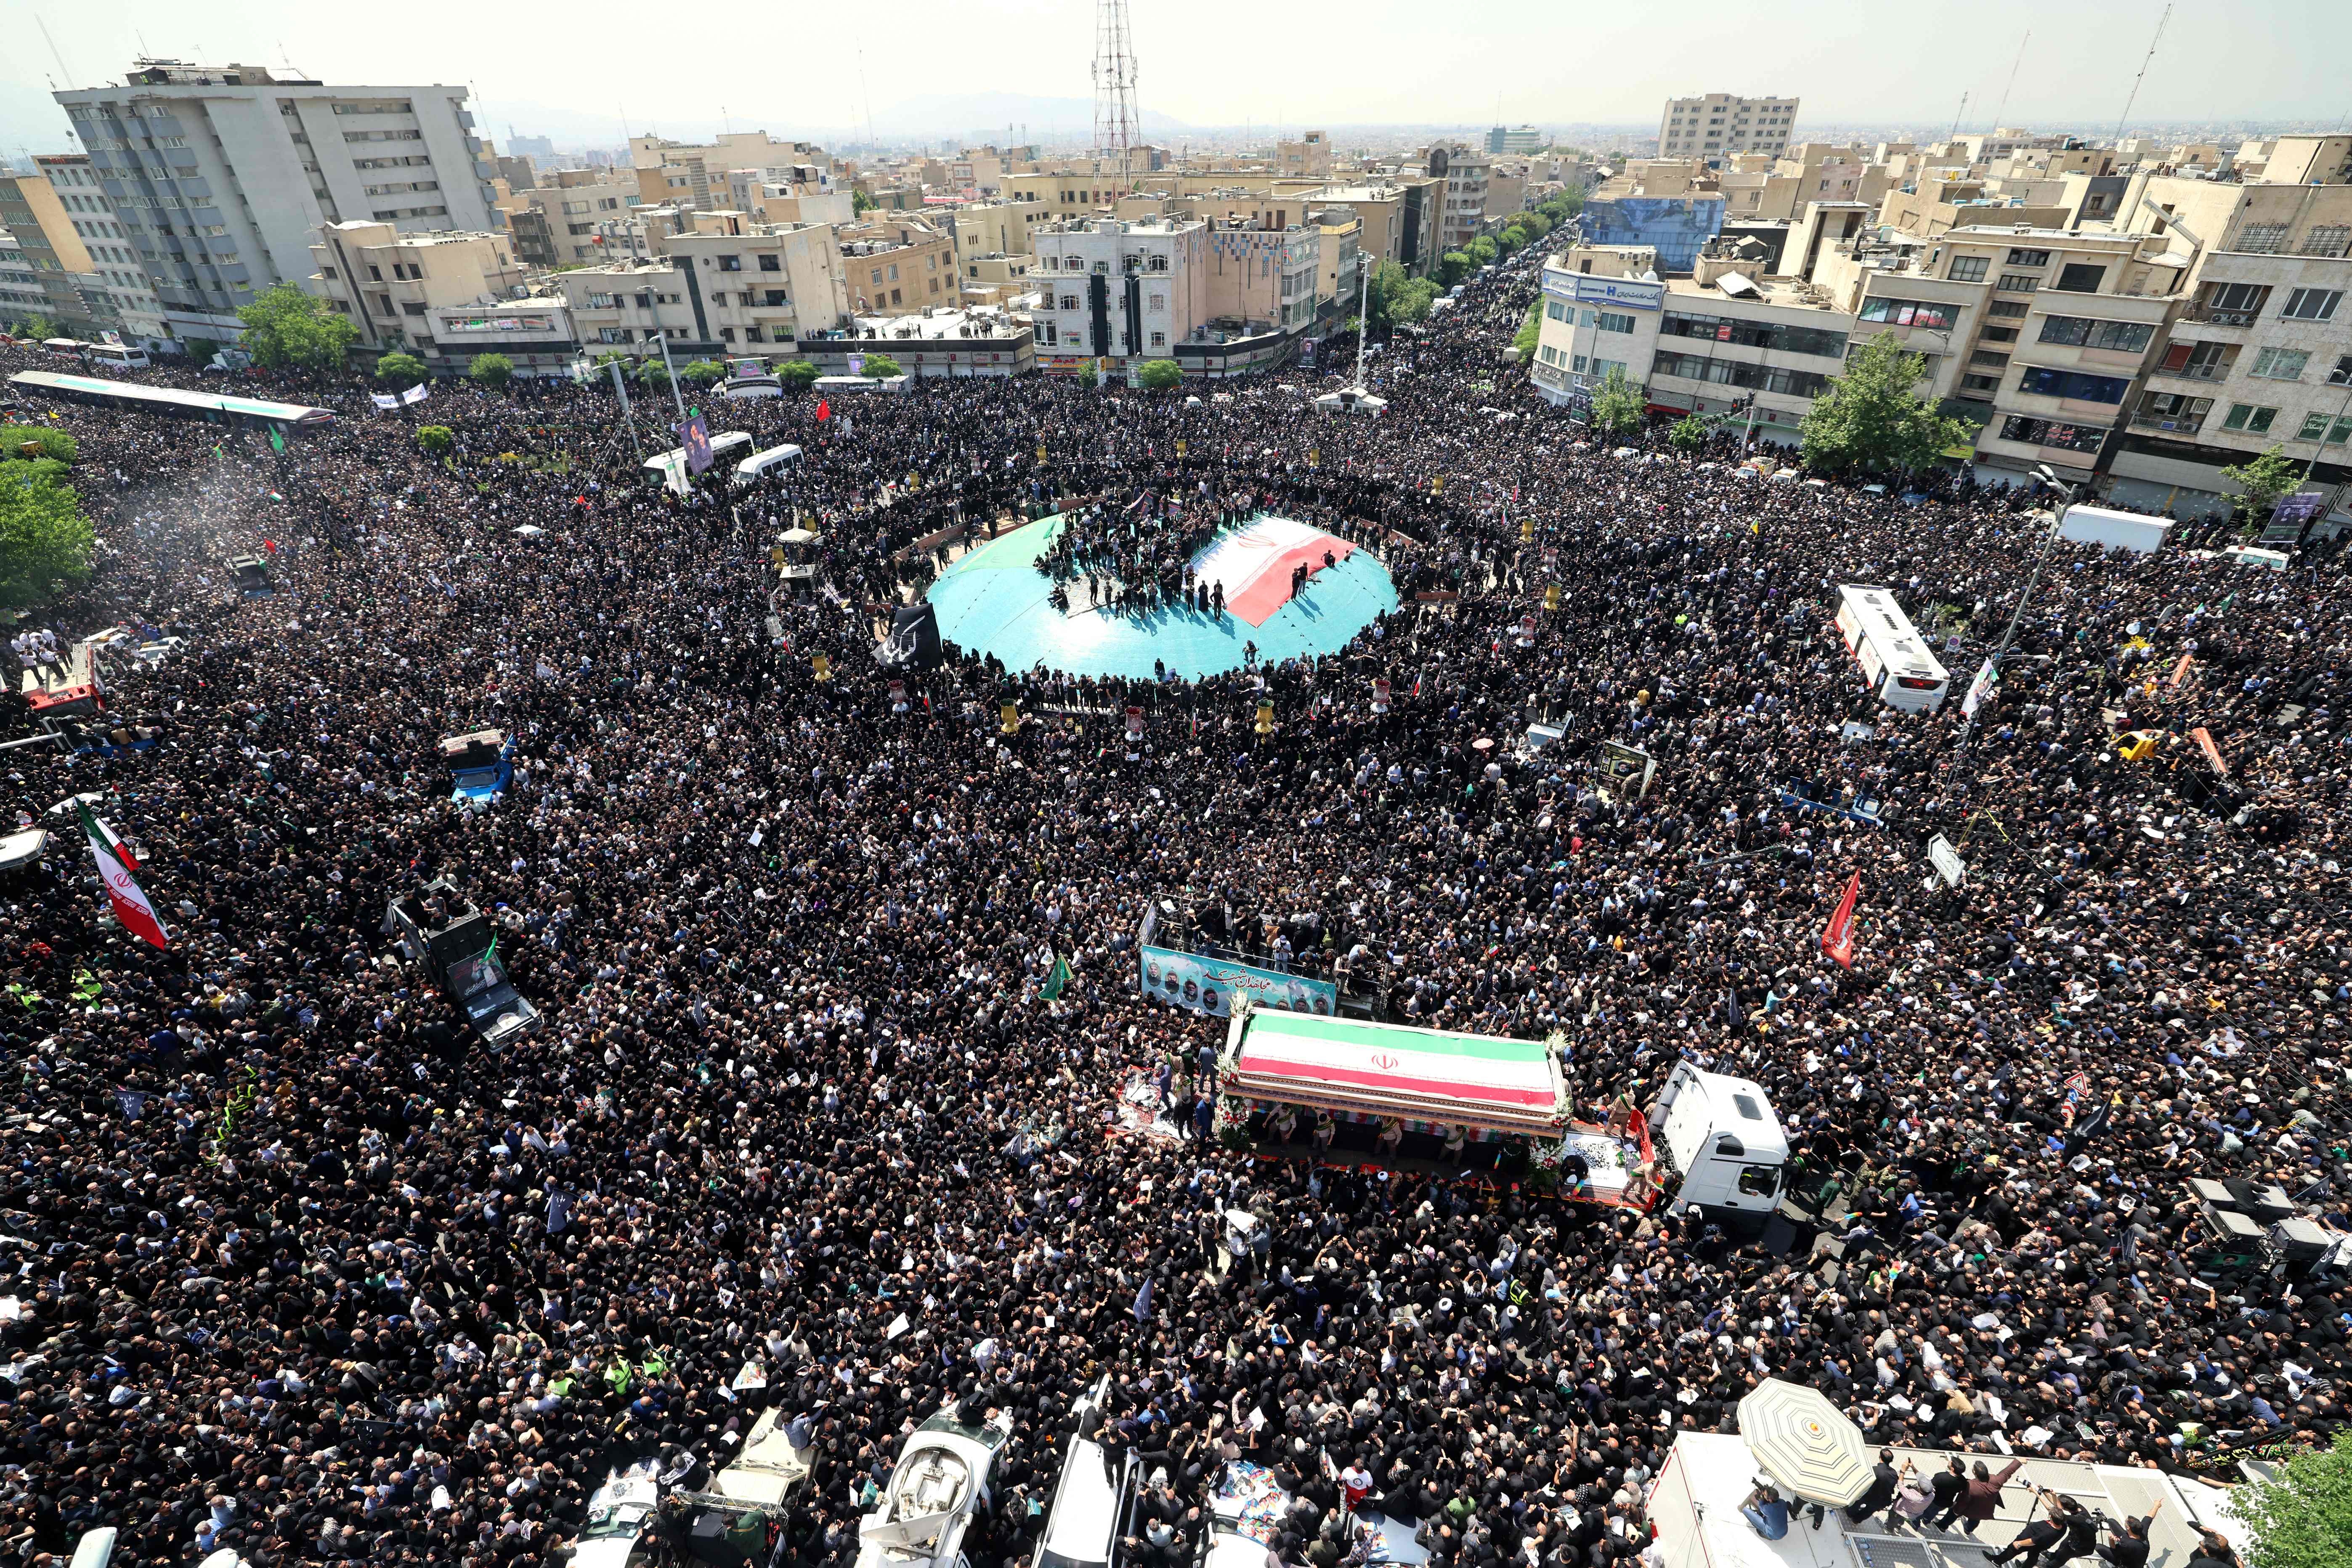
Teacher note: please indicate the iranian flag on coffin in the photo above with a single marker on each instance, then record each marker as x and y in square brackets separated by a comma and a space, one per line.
[115, 865]
[1255, 563]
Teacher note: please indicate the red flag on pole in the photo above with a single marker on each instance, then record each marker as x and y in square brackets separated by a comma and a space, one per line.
[1837, 937]
[824, 410]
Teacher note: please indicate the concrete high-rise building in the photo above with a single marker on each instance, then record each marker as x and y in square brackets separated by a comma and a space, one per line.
[221, 176]
[1516, 139]
[115, 271]
[1720, 123]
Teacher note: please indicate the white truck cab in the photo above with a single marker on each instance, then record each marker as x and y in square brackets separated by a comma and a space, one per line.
[1723, 1137]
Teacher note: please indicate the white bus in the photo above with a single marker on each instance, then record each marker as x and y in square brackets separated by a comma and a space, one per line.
[721, 445]
[118, 356]
[759, 463]
[1893, 655]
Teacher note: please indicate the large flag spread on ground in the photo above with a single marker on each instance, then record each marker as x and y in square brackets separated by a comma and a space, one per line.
[1255, 563]
[130, 905]
[1837, 937]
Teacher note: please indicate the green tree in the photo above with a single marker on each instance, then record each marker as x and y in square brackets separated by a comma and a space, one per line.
[2260, 484]
[200, 350]
[1616, 404]
[1688, 433]
[1535, 223]
[652, 372]
[859, 201]
[1398, 296]
[797, 374]
[402, 370]
[493, 371]
[55, 444]
[36, 326]
[1531, 330]
[703, 372]
[882, 367]
[1873, 420]
[435, 439]
[286, 327]
[45, 540]
[1481, 250]
[2303, 1519]
[1451, 267]
[1159, 374]
[1514, 239]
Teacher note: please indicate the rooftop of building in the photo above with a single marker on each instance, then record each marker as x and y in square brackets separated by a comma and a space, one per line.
[935, 323]
[408, 241]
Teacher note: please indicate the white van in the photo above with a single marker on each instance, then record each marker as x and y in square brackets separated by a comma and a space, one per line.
[2252, 555]
[118, 356]
[1724, 1137]
[759, 463]
[725, 444]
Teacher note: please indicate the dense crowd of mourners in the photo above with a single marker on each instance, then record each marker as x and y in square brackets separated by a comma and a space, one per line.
[304, 1270]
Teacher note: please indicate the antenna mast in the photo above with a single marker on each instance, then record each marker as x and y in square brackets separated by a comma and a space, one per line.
[1999, 114]
[1114, 73]
[2125, 117]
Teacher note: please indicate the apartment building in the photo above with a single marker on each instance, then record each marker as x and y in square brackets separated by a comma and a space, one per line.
[895, 265]
[386, 283]
[1307, 158]
[1575, 347]
[55, 259]
[1401, 218]
[1718, 124]
[21, 294]
[114, 271]
[1109, 289]
[2071, 321]
[696, 174]
[582, 211]
[766, 284]
[2260, 353]
[993, 230]
[221, 176]
[1462, 217]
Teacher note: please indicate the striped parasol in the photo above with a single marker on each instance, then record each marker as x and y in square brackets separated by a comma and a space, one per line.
[1801, 1441]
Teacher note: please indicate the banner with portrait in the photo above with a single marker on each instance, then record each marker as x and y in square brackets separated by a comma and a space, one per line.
[1209, 984]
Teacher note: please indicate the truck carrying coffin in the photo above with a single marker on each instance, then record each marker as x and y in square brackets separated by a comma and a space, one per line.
[1489, 1109]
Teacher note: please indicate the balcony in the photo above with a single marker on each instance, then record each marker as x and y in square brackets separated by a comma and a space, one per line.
[2172, 424]
[2194, 372]
[2209, 316]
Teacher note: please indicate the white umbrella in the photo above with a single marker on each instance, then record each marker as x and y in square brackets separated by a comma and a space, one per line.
[1803, 1442]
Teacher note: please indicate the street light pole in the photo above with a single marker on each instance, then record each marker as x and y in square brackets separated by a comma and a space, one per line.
[2009, 634]
[671, 370]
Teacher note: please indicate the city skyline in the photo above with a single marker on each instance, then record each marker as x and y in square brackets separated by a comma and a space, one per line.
[1519, 63]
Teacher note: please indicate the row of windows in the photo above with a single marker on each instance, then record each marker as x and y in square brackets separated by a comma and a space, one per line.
[2128, 337]
[2270, 240]
[1756, 334]
[1738, 373]
[2042, 381]
[772, 262]
[2058, 433]
[1928, 313]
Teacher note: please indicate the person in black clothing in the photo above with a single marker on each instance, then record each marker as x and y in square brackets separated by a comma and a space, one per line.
[1880, 1495]
[2129, 1547]
[2082, 1536]
[2038, 1537]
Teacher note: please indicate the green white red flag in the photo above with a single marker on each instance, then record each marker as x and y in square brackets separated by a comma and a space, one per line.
[115, 864]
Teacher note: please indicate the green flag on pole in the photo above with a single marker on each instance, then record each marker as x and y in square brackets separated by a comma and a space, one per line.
[1056, 981]
[277, 440]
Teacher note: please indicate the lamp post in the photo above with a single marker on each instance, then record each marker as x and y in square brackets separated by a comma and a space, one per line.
[2067, 489]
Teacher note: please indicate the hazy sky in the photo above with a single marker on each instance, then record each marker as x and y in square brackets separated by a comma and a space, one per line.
[797, 68]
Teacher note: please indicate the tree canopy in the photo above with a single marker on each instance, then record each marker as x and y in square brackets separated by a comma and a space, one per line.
[797, 374]
[400, 370]
[435, 438]
[45, 540]
[882, 367]
[1159, 374]
[1872, 419]
[286, 327]
[1616, 404]
[2302, 1518]
[493, 371]
[2261, 482]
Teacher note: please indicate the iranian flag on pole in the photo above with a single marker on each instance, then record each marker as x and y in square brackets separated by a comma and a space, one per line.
[114, 867]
